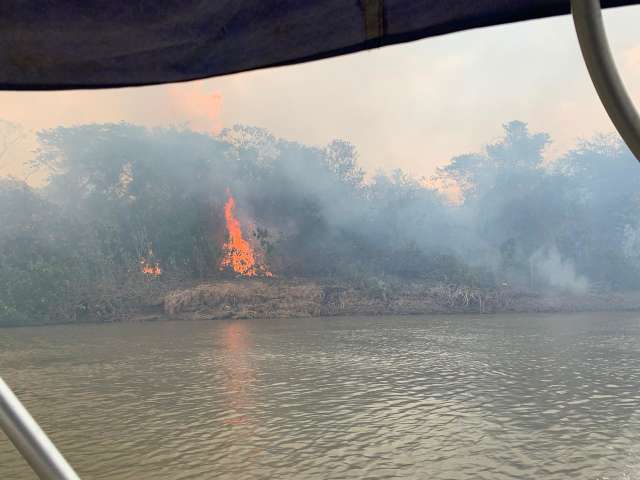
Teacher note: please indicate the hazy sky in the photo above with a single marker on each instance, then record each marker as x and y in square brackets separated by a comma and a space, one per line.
[412, 106]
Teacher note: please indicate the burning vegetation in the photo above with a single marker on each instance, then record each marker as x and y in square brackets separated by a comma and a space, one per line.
[150, 267]
[151, 270]
[248, 204]
[238, 254]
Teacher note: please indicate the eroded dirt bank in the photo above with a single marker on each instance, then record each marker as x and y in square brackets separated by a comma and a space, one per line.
[304, 298]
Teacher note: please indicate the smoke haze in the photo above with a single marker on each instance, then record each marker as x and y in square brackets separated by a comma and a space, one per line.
[118, 196]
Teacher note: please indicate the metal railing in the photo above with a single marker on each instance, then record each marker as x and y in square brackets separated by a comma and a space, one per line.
[29, 439]
[587, 18]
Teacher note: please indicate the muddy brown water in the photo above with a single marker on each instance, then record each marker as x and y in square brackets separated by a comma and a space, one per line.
[451, 397]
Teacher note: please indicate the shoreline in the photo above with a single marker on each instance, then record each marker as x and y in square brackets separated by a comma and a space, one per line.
[232, 299]
[309, 298]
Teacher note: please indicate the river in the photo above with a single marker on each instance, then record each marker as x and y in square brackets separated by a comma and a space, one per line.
[439, 397]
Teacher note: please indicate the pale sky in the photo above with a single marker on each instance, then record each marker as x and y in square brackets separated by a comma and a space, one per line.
[410, 106]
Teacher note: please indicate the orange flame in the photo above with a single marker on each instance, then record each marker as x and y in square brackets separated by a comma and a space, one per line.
[154, 270]
[238, 254]
[150, 268]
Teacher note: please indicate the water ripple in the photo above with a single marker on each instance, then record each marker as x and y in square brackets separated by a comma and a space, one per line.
[489, 397]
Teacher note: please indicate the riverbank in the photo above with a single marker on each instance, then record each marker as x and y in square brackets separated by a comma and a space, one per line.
[284, 299]
[180, 299]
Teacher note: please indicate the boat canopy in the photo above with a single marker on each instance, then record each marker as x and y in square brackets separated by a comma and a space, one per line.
[47, 45]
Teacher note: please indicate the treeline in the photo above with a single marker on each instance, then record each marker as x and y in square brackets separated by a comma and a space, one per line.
[119, 194]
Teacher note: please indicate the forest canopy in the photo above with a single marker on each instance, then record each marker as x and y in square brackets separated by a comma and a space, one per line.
[120, 195]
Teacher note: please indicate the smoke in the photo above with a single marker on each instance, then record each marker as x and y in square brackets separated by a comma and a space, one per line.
[313, 211]
[553, 270]
[203, 108]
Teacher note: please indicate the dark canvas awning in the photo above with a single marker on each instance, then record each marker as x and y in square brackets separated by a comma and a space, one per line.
[109, 43]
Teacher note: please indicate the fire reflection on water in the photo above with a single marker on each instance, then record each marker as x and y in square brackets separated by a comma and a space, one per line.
[239, 373]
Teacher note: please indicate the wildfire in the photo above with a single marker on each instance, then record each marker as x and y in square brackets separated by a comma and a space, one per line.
[239, 256]
[148, 267]
[154, 270]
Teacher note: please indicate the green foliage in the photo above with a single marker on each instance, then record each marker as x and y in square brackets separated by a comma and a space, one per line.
[119, 193]
[36, 264]
[580, 205]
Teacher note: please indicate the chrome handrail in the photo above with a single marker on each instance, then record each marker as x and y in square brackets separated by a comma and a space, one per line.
[587, 18]
[29, 439]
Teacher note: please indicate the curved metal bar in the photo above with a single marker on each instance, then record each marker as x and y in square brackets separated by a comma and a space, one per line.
[32, 443]
[587, 18]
